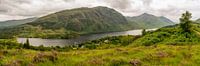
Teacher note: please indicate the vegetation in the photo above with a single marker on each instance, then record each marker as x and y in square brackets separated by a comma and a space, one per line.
[71, 23]
[125, 56]
[27, 44]
[4, 24]
[186, 22]
[29, 31]
[104, 43]
[109, 42]
[150, 21]
[9, 44]
[185, 33]
[176, 45]
[75, 22]
[143, 31]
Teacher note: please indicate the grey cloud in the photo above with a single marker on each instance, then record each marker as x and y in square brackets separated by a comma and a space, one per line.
[119, 4]
[3, 7]
[69, 0]
[147, 2]
[169, 11]
[20, 1]
[17, 8]
[7, 6]
[27, 8]
[3, 10]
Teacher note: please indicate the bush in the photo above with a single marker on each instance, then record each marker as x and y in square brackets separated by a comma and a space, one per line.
[9, 44]
[42, 57]
[154, 38]
[110, 41]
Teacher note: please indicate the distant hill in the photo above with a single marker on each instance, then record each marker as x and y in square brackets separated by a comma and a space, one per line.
[198, 21]
[9, 23]
[74, 22]
[150, 21]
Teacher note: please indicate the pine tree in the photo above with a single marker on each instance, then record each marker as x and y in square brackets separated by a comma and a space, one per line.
[143, 31]
[27, 44]
[185, 21]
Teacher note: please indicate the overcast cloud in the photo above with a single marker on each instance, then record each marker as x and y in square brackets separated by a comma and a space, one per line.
[19, 9]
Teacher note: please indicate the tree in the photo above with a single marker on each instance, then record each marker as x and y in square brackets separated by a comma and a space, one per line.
[185, 21]
[143, 31]
[27, 44]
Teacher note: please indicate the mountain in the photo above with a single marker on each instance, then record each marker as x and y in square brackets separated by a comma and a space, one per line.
[150, 21]
[198, 21]
[166, 20]
[9, 23]
[74, 22]
[86, 20]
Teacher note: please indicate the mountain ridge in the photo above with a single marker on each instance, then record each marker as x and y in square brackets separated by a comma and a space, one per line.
[79, 14]
[72, 23]
[150, 21]
[10, 23]
[198, 20]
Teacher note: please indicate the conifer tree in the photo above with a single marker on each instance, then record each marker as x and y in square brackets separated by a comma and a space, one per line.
[185, 21]
[143, 31]
[27, 44]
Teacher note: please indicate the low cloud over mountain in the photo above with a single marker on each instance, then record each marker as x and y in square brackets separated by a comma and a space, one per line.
[18, 9]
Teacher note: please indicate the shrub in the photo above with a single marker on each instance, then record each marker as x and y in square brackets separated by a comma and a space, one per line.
[135, 62]
[27, 44]
[118, 62]
[42, 57]
[14, 63]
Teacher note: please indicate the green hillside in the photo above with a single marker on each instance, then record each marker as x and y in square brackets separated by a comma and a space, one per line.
[72, 23]
[85, 20]
[9, 23]
[186, 32]
[150, 21]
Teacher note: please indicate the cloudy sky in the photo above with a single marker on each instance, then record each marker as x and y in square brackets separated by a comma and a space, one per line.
[19, 9]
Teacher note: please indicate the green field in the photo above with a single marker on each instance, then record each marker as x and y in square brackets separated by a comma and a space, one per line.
[164, 55]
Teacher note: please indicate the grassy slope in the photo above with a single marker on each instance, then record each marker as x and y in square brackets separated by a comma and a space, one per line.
[151, 56]
[170, 36]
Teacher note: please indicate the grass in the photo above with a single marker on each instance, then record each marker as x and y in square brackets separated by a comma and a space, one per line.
[158, 55]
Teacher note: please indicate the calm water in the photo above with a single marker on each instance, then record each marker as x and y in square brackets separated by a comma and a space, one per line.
[81, 39]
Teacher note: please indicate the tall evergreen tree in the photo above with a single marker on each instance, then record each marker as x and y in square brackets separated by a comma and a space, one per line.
[27, 44]
[143, 31]
[185, 21]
